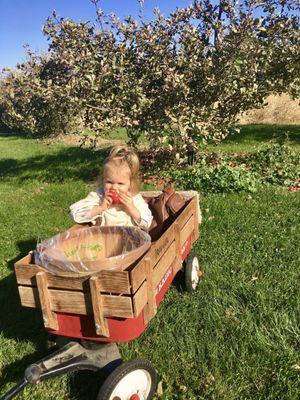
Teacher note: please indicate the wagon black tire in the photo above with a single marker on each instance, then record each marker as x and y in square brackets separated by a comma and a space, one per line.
[134, 379]
[192, 273]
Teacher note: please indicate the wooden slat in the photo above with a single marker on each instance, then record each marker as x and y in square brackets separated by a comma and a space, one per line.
[196, 220]
[114, 282]
[97, 303]
[26, 274]
[140, 299]
[78, 302]
[178, 262]
[49, 317]
[157, 250]
[117, 306]
[150, 308]
[163, 264]
[109, 281]
[187, 230]
[25, 260]
[138, 274]
[184, 216]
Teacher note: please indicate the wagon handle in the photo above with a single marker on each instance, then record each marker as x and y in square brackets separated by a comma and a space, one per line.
[71, 357]
[15, 390]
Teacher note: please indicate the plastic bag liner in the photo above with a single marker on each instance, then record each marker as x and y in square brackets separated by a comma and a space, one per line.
[91, 249]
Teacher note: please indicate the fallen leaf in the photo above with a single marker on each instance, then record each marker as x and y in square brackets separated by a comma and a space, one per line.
[159, 389]
[210, 218]
[296, 366]
[37, 190]
[293, 189]
[210, 378]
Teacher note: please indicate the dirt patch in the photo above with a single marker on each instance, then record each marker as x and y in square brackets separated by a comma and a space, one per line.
[280, 110]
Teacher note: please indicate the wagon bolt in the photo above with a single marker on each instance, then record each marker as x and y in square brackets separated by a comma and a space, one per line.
[33, 373]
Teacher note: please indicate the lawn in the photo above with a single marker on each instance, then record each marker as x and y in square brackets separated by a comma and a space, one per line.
[249, 139]
[256, 137]
[236, 338]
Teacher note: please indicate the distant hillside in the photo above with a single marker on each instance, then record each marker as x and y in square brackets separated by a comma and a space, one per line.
[281, 110]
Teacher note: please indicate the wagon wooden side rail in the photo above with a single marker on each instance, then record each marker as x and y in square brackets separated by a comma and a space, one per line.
[112, 295]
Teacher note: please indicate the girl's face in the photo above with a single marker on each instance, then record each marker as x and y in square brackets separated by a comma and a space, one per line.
[116, 178]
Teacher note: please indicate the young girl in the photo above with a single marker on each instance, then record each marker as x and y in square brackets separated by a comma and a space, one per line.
[118, 201]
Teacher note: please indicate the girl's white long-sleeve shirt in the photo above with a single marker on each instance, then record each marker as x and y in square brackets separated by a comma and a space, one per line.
[114, 215]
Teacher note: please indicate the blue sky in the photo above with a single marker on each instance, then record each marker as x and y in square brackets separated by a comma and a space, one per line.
[21, 20]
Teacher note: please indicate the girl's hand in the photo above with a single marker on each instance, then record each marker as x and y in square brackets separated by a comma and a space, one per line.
[127, 201]
[103, 206]
[106, 202]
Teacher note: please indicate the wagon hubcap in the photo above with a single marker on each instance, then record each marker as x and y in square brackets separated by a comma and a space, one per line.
[196, 273]
[135, 397]
[136, 385]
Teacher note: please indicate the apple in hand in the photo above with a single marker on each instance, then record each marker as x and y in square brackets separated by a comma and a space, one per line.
[114, 195]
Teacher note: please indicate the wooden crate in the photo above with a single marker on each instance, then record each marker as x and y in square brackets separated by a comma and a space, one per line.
[109, 294]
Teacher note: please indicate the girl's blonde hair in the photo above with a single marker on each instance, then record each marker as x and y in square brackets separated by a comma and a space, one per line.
[121, 156]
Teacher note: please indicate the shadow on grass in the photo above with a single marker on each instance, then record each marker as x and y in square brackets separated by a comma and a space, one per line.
[25, 324]
[67, 164]
[179, 281]
[7, 132]
[18, 322]
[265, 133]
[85, 385]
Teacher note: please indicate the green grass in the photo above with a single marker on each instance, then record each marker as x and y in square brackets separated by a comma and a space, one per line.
[113, 134]
[236, 338]
[249, 139]
[256, 137]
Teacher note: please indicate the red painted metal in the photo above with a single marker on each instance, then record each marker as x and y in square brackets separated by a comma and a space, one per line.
[186, 247]
[82, 327]
[120, 329]
[135, 397]
[164, 285]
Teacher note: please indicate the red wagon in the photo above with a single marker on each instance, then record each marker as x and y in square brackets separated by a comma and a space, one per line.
[98, 311]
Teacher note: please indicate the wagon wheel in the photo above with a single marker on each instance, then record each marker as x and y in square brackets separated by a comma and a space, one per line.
[192, 272]
[132, 380]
